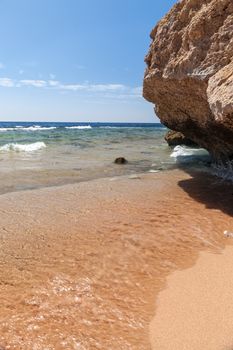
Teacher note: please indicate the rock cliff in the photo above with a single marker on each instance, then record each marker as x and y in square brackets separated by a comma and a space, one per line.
[189, 75]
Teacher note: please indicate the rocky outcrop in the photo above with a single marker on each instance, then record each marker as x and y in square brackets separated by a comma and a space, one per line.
[175, 138]
[189, 76]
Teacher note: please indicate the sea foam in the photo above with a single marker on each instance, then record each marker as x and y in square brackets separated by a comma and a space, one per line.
[28, 128]
[184, 153]
[6, 129]
[35, 128]
[79, 127]
[17, 147]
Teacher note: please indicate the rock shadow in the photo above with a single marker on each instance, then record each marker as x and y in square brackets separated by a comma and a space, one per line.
[208, 189]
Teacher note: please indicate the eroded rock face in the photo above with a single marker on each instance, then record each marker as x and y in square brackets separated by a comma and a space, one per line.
[190, 73]
[175, 138]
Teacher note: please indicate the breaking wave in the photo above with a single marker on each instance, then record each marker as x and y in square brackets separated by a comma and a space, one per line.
[6, 129]
[37, 128]
[79, 127]
[186, 154]
[17, 147]
[28, 128]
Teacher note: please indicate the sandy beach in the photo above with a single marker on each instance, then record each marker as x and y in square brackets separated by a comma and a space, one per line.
[195, 311]
[95, 265]
[116, 179]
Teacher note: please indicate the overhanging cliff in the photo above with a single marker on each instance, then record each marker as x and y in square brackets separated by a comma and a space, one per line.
[189, 76]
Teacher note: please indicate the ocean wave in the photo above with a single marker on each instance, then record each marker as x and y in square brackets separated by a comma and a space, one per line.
[184, 151]
[79, 127]
[6, 129]
[28, 128]
[17, 147]
[37, 128]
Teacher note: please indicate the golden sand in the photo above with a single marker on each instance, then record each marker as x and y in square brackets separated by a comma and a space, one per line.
[82, 265]
[196, 310]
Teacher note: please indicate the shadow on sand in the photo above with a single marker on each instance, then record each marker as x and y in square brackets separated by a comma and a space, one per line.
[208, 189]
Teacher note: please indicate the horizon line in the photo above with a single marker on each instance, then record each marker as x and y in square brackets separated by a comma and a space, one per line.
[70, 122]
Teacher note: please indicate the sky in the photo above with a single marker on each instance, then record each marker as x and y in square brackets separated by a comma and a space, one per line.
[76, 60]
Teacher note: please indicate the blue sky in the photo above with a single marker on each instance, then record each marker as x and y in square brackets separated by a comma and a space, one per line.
[75, 60]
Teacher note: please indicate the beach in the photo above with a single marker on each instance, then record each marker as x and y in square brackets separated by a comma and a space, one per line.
[116, 175]
[94, 265]
[195, 311]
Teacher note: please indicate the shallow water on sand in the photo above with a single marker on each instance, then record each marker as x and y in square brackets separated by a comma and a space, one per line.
[47, 154]
[81, 265]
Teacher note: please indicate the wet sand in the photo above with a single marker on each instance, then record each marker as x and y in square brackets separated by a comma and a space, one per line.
[196, 309]
[82, 266]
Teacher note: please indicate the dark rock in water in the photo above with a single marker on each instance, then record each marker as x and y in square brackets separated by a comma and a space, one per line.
[175, 138]
[120, 160]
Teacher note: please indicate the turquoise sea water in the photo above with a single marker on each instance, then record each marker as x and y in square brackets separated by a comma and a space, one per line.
[35, 155]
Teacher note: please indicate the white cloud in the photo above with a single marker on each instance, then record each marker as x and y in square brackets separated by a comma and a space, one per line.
[118, 91]
[35, 83]
[53, 83]
[92, 87]
[6, 82]
[106, 87]
[72, 87]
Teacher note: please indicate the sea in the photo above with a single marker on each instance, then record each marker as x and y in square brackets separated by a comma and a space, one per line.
[42, 154]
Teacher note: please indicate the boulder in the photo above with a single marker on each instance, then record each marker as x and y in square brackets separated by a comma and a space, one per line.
[120, 160]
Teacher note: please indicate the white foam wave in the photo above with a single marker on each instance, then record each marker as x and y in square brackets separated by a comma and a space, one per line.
[37, 128]
[184, 151]
[28, 128]
[6, 129]
[17, 147]
[79, 127]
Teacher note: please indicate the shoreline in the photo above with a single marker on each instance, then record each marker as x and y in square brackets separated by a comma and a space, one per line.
[193, 168]
[129, 176]
[81, 265]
